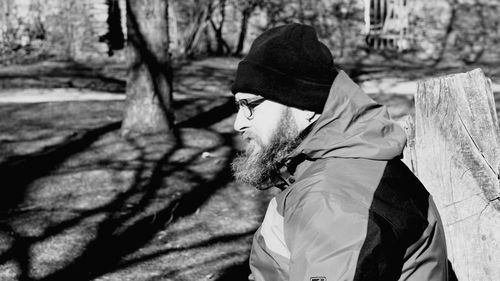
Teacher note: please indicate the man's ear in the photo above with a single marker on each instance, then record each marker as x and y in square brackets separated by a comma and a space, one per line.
[304, 118]
[309, 116]
[312, 116]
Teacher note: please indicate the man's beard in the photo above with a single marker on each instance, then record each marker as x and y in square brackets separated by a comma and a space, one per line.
[260, 167]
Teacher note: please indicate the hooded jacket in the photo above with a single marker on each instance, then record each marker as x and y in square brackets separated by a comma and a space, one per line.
[352, 209]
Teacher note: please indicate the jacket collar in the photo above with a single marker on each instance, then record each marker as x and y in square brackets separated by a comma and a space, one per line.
[296, 157]
[351, 125]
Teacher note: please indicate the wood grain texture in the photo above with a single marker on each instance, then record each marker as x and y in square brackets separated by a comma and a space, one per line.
[457, 158]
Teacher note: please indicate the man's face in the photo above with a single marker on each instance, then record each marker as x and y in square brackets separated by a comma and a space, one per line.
[270, 133]
[260, 127]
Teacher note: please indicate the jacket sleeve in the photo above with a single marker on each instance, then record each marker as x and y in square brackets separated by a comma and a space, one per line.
[331, 240]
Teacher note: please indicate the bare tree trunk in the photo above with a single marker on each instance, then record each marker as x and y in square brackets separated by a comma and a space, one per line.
[344, 25]
[208, 41]
[198, 25]
[114, 38]
[222, 46]
[449, 30]
[69, 29]
[149, 84]
[243, 30]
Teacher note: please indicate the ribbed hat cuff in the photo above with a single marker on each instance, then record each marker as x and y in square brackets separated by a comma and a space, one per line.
[277, 86]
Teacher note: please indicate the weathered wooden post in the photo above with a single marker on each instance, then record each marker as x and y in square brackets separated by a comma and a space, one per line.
[457, 156]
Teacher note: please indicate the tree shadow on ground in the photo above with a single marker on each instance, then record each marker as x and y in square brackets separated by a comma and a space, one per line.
[238, 272]
[19, 172]
[204, 120]
[128, 224]
[145, 205]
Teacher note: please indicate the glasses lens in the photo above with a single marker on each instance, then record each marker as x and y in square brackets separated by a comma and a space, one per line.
[248, 111]
[243, 105]
[248, 107]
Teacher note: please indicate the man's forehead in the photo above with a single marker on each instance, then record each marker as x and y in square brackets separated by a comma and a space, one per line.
[245, 96]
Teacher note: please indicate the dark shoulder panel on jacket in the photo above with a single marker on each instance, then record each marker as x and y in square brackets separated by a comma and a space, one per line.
[397, 219]
[402, 200]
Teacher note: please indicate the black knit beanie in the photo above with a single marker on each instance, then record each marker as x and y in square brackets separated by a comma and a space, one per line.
[288, 65]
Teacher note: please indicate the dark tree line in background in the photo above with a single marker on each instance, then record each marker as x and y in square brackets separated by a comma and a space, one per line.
[203, 23]
[442, 30]
[221, 27]
[246, 8]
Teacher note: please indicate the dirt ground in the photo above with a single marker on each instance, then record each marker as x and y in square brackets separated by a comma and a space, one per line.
[79, 202]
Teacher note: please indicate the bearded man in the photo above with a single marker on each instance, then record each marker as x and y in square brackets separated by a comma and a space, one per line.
[349, 209]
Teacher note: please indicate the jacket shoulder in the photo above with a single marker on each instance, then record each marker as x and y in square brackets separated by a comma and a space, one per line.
[348, 181]
[383, 188]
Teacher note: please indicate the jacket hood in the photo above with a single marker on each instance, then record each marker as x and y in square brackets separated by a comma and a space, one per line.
[352, 125]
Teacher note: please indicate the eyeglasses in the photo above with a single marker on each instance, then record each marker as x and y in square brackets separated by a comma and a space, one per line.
[248, 106]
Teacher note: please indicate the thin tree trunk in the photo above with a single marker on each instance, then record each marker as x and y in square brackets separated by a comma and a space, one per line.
[221, 43]
[195, 29]
[222, 46]
[114, 38]
[208, 41]
[149, 84]
[69, 30]
[243, 31]
[449, 30]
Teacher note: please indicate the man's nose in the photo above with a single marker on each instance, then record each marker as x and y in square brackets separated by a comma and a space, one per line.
[241, 123]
